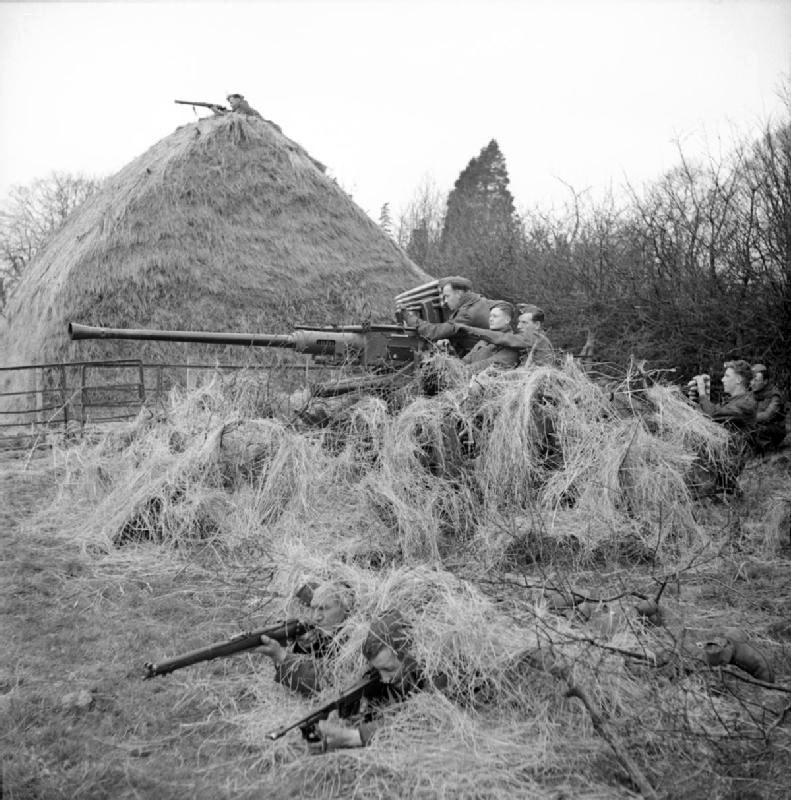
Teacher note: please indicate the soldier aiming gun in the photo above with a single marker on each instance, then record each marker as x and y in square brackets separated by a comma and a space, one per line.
[393, 675]
[238, 105]
[298, 669]
[285, 631]
[465, 308]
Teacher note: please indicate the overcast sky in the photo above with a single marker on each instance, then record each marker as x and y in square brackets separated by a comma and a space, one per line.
[387, 92]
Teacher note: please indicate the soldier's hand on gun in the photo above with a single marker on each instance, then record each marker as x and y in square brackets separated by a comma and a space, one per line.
[273, 649]
[410, 318]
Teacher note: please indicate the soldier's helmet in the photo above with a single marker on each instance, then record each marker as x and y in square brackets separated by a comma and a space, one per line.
[234, 95]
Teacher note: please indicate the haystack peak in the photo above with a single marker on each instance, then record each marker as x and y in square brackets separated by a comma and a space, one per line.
[226, 224]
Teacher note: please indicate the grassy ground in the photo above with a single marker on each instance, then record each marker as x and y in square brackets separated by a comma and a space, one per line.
[75, 625]
[79, 621]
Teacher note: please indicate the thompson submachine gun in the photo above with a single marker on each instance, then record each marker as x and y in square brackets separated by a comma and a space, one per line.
[345, 701]
[282, 632]
[200, 103]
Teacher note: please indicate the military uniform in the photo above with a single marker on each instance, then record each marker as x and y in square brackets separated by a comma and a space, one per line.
[737, 413]
[367, 711]
[300, 669]
[532, 348]
[770, 418]
[486, 354]
[473, 311]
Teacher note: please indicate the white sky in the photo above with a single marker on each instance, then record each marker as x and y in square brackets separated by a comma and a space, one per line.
[386, 92]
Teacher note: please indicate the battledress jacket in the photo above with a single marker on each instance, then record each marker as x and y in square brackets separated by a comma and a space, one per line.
[533, 348]
[486, 354]
[769, 416]
[737, 413]
[473, 311]
[299, 671]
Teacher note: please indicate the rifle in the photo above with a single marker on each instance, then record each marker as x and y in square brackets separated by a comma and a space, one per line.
[282, 632]
[345, 700]
[212, 106]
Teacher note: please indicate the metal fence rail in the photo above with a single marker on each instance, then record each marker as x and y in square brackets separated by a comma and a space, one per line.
[62, 398]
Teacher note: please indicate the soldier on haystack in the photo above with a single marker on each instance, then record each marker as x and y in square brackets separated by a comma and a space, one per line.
[466, 308]
[239, 105]
[298, 670]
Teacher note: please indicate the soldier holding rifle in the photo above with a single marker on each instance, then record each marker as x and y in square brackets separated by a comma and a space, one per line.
[298, 669]
[238, 105]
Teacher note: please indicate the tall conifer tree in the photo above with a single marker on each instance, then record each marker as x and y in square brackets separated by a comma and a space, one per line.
[481, 233]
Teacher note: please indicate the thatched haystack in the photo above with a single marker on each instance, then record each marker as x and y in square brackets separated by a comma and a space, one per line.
[224, 225]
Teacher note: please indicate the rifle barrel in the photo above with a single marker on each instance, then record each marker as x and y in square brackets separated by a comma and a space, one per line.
[197, 103]
[282, 632]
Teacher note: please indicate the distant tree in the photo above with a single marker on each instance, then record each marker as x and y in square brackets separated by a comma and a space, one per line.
[29, 217]
[481, 237]
[766, 237]
[420, 226]
[385, 220]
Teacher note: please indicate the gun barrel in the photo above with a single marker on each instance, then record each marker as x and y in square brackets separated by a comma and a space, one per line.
[78, 331]
[199, 103]
[282, 632]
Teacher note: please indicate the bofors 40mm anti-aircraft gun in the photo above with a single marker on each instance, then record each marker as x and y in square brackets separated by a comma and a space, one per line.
[385, 352]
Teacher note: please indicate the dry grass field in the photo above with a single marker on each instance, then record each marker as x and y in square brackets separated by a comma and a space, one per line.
[521, 533]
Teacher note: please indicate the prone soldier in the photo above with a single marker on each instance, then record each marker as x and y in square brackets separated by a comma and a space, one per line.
[298, 669]
[239, 105]
[386, 649]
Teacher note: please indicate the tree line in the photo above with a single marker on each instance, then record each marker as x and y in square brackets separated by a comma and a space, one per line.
[687, 272]
[29, 217]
